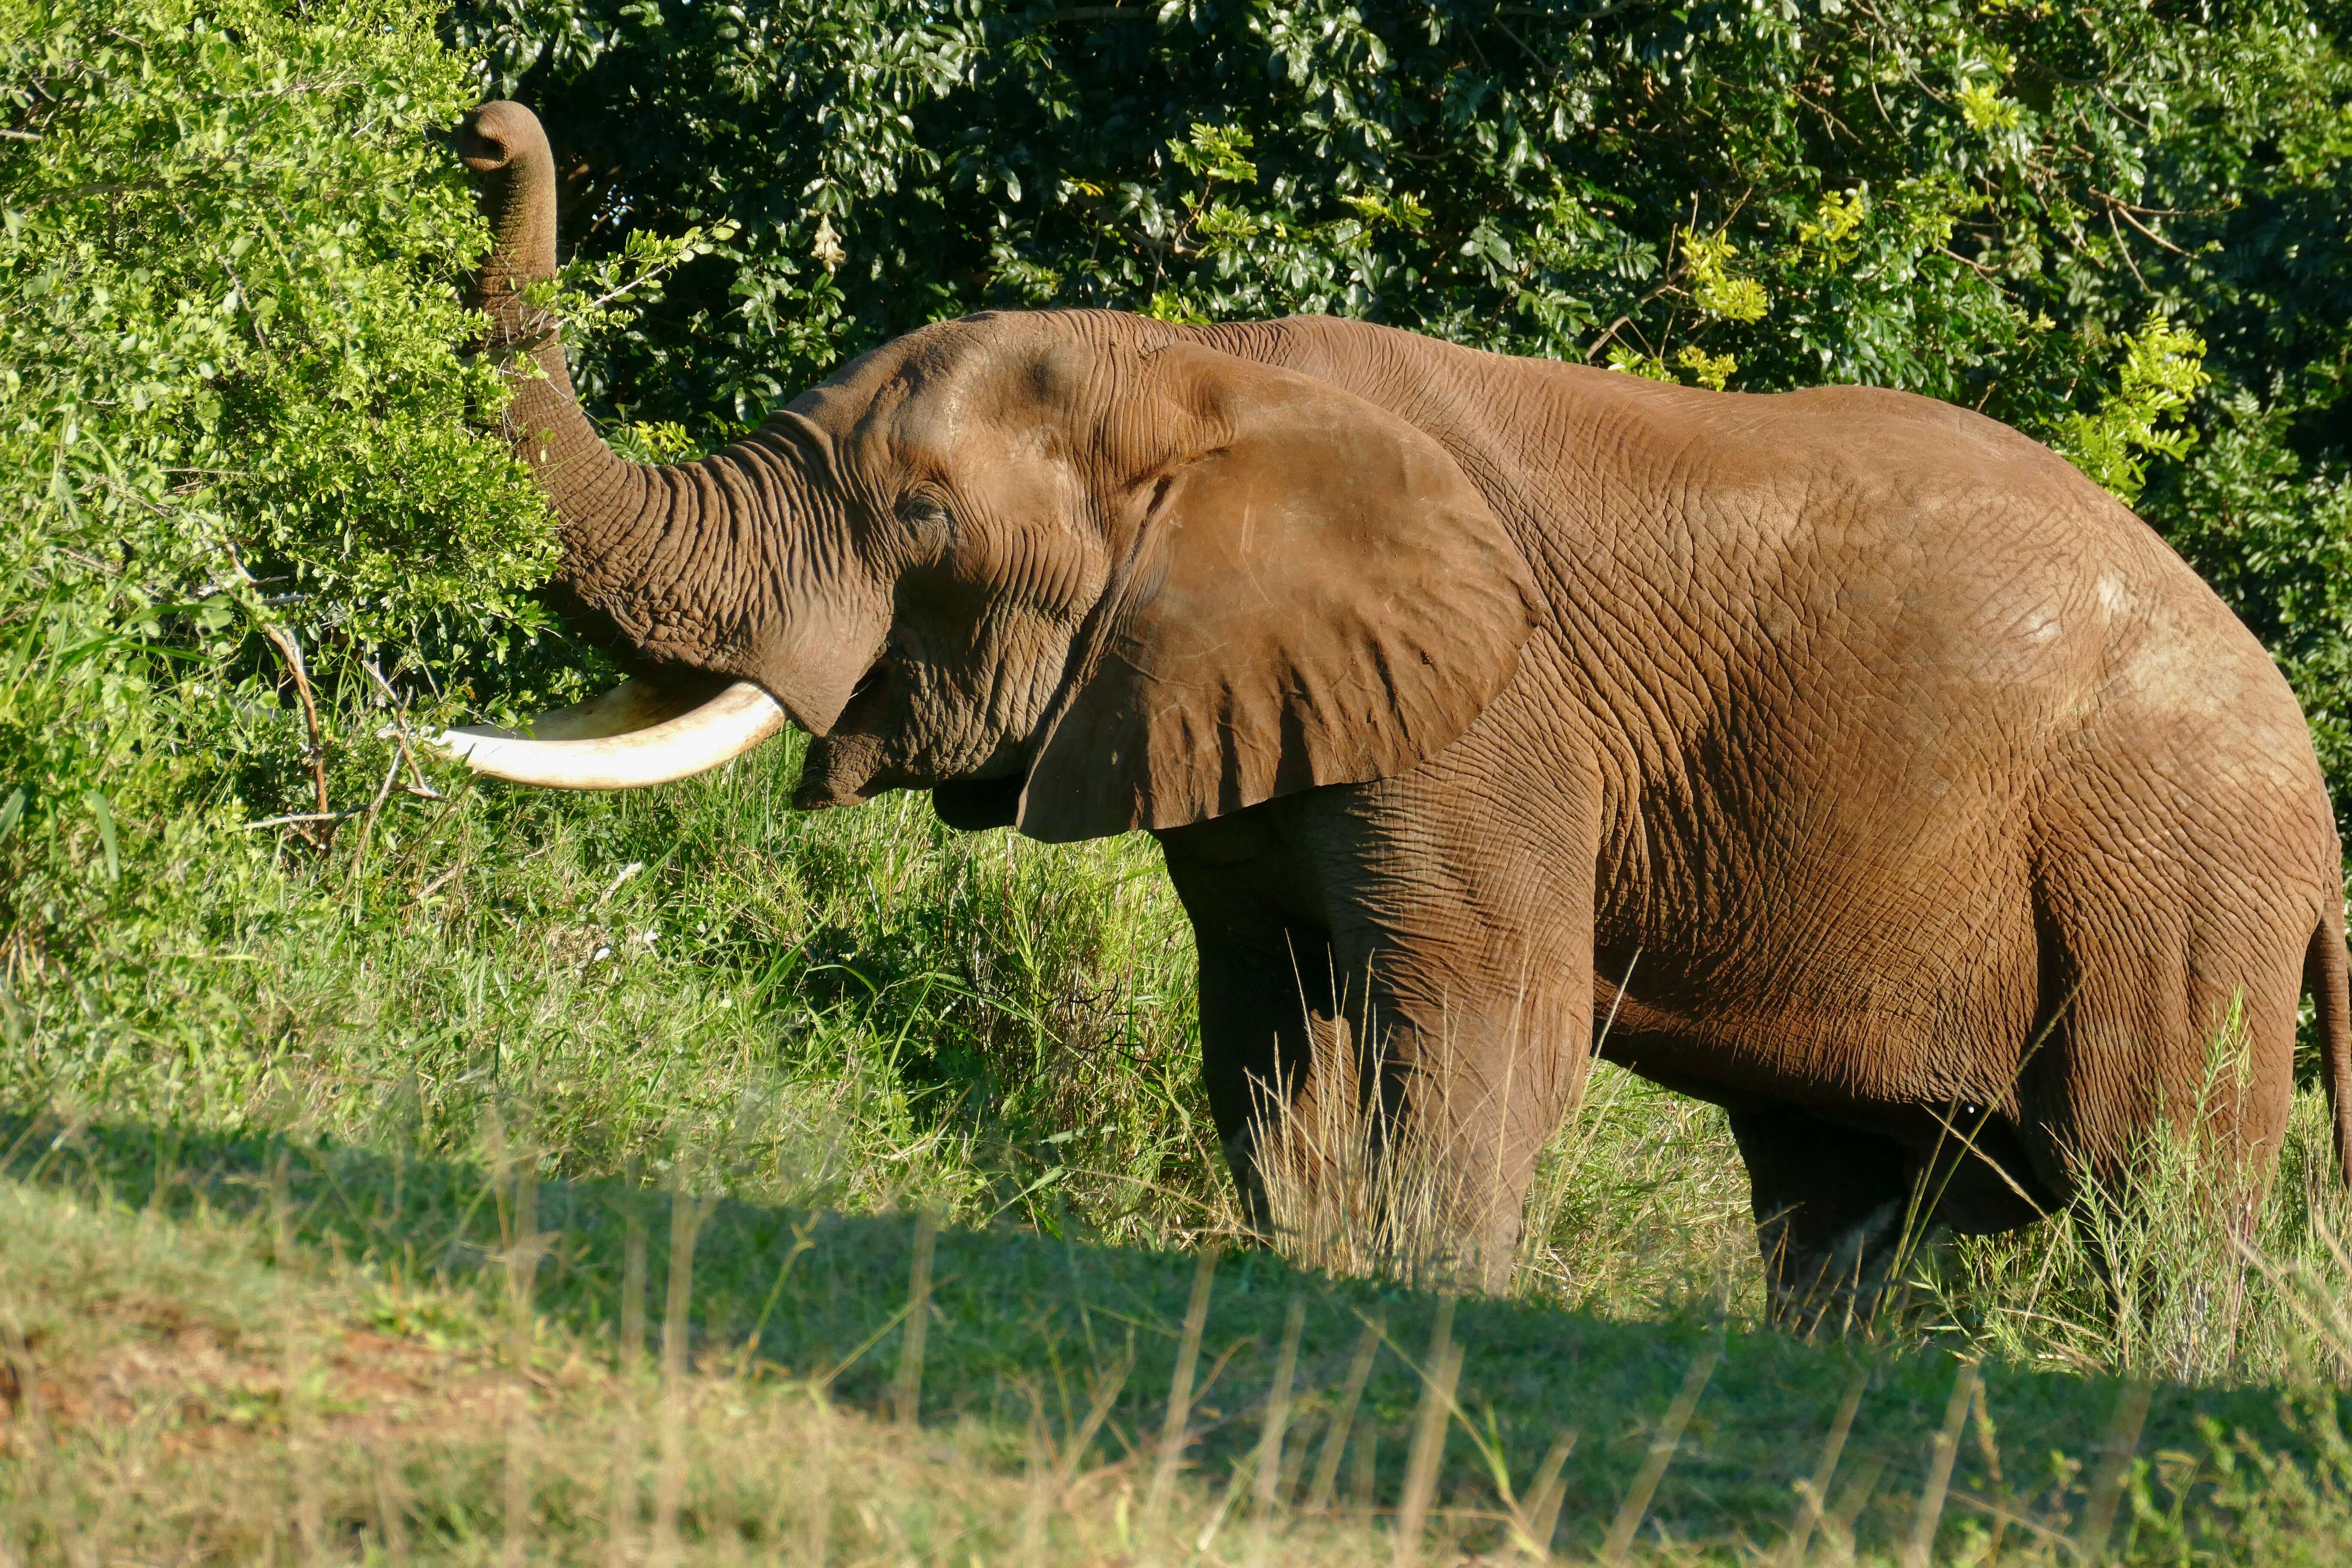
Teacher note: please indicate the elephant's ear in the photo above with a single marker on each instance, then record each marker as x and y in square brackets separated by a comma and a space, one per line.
[1313, 593]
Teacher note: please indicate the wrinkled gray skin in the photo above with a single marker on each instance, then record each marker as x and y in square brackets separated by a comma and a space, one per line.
[1913, 782]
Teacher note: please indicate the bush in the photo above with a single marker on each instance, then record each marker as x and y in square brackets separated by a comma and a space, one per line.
[237, 464]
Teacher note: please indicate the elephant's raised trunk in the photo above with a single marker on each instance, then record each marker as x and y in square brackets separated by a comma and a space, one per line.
[619, 519]
[589, 485]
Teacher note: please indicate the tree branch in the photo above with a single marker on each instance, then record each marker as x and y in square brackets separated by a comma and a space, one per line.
[292, 651]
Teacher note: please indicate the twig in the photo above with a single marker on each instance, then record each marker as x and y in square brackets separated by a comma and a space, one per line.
[2159, 212]
[302, 817]
[525, 1244]
[1523, 47]
[292, 651]
[1602, 341]
[367, 828]
[398, 729]
[1627, 320]
[1179, 1399]
[1095, 14]
[1270, 1440]
[1326, 1467]
[621, 1509]
[688, 1215]
[2122, 248]
[1610, 8]
[2114, 206]
[97, 188]
[918, 1314]
[2114, 1467]
[1816, 1490]
[1920, 1551]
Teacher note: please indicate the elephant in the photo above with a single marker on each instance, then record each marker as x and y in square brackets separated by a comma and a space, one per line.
[1839, 756]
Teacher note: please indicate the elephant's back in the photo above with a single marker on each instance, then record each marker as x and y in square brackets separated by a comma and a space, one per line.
[1933, 573]
[1954, 557]
[2005, 564]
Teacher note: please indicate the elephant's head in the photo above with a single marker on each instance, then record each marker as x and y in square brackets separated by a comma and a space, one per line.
[1077, 572]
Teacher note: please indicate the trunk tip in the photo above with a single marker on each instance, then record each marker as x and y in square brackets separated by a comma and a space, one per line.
[496, 134]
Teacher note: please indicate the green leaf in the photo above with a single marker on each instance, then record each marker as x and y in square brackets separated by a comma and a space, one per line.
[99, 808]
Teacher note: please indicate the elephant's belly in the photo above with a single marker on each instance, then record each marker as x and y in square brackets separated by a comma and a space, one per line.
[1851, 957]
[1874, 1052]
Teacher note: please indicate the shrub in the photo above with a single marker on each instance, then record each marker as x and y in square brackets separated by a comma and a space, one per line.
[235, 459]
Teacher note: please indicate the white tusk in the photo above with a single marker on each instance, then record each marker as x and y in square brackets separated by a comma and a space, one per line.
[631, 736]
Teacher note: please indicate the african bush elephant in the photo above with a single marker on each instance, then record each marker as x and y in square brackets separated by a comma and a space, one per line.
[1888, 780]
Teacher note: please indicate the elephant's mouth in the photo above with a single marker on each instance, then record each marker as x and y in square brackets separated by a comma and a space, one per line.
[852, 762]
[865, 701]
[648, 731]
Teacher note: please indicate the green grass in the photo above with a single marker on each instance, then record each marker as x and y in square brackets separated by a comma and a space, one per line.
[865, 1008]
[266, 1173]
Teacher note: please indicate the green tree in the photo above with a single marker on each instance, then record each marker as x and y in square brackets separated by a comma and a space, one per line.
[238, 460]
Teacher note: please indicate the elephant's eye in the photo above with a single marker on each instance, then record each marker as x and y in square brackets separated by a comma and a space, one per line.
[925, 516]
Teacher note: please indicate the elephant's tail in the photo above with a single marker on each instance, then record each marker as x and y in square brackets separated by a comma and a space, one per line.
[2325, 971]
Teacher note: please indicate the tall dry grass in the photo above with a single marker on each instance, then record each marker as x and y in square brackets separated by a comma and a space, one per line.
[2184, 1264]
[182, 1393]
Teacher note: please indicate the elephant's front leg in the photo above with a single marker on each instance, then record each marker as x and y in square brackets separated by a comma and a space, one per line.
[1276, 1054]
[1460, 902]
[1286, 1081]
[1482, 1041]
[1395, 1015]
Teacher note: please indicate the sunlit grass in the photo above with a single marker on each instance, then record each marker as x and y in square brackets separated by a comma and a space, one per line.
[342, 1222]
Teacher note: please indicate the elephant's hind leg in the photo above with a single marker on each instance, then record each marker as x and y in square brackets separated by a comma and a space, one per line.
[1830, 1203]
[2164, 1012]
[2185, 855]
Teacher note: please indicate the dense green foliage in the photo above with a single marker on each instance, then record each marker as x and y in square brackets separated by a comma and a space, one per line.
[2047, 211]
[234, 426]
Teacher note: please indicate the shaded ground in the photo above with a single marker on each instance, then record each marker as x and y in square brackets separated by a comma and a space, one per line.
[401, 1334]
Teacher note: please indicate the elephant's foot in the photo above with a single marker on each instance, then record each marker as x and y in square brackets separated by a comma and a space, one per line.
[1341, 1189]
